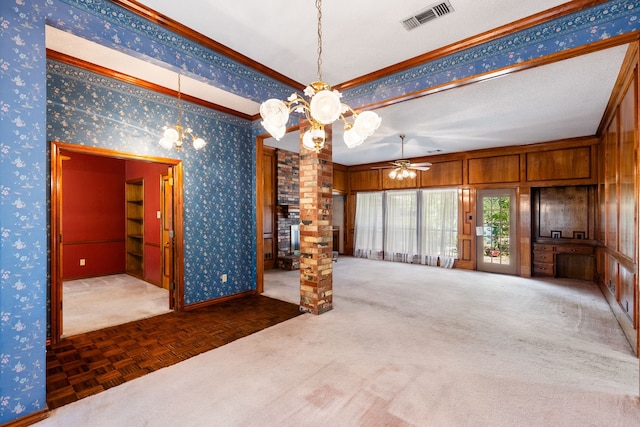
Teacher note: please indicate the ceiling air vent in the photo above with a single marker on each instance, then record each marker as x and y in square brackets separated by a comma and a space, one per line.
[427, 14]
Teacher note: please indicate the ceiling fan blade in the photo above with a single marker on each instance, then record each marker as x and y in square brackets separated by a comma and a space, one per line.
[420, 168]
[421, 164]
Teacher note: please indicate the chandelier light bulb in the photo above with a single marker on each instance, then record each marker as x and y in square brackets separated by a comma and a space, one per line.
[199, 143]
[313, 139]
[351, 137]
[366, 123]
[166, 143]
[393, 174]
[412, 174]
[325, 106]
[171, 134]
[275, 115]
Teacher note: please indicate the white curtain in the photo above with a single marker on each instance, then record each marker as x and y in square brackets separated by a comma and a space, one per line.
[408, 226]
[368, 227]
[401, 222]
[439, 226]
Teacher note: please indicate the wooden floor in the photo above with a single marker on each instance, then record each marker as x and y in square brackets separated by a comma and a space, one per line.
[86, 364]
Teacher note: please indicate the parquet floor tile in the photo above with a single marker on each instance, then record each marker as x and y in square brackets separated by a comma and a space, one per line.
[86, 364]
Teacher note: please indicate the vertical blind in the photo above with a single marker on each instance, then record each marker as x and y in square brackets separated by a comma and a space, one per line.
[419, 226]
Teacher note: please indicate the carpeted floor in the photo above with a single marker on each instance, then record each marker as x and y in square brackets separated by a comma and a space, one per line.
[99, 302]
[405, 345]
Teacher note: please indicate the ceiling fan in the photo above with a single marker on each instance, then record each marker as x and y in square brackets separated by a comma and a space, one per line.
[404, 168]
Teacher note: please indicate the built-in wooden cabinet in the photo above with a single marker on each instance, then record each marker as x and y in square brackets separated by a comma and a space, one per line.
[544, 260]
[134, 193]
[564, 260]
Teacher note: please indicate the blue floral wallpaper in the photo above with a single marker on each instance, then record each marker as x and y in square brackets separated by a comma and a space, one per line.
[92, 110]
[23, 214]
[42, 100]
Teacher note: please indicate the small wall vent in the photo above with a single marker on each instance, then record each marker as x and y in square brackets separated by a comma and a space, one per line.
[427, 14]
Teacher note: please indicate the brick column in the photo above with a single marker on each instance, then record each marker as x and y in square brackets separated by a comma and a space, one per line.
[316, 210]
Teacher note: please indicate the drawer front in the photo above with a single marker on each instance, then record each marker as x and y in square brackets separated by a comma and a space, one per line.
[542, 269]
[588, 250]
[543, 257]
[537, 247]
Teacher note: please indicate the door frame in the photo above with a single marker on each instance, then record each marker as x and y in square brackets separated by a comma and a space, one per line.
[55, 224]
[166, 256]
[512, 268]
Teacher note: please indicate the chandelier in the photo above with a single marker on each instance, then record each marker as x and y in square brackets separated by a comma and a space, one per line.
[323, 108]
[174, 136]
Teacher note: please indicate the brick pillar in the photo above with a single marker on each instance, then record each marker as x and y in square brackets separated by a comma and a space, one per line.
[316, 210]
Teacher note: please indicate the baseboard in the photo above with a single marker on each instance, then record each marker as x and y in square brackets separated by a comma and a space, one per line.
[218, 300]
[28, 420]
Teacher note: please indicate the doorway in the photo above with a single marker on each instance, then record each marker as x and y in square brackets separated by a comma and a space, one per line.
[496, 233]
[62, 151]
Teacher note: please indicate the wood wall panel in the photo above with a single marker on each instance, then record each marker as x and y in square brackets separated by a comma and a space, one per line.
[494, 170]
[569, 163]
[524, 228]
[350, 220]
[466, 228]
[442, 174]
[627, 300]
[340, 177]
[367, 180]
[567, 210]
[626, 178]
[610, 184]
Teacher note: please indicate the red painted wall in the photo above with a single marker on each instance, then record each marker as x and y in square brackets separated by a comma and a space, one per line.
[151, 173]
[93, 224]
[93, 215]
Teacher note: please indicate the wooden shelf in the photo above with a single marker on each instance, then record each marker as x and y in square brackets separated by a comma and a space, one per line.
[134, 194]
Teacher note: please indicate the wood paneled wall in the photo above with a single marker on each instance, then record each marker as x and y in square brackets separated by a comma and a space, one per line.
[559, 163]
[617, 227]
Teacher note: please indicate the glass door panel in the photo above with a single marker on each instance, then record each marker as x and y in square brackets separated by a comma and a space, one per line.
[495, 239]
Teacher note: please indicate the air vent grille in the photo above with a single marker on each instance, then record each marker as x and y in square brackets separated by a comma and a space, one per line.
[427, 14]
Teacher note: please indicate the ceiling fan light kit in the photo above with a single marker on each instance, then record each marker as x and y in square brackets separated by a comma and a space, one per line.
[404, 169]
[323, 109]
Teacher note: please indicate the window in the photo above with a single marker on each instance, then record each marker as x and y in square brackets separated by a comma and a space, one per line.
[409, 226]
[401, 226]
[439, 223]
[368, 226]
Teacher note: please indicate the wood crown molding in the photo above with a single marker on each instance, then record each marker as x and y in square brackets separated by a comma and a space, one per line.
[108, 72]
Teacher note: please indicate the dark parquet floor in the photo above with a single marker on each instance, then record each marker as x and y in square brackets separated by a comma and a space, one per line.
[86, 364]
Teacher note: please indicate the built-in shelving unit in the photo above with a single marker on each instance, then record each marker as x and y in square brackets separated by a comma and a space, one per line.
[134, 194]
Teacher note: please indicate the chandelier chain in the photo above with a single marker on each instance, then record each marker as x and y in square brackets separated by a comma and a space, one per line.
[319, 7]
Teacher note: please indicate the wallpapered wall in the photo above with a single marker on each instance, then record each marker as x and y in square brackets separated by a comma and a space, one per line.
[92, 110]
[218, 203]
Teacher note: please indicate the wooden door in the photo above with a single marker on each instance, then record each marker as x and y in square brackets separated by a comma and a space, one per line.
[167, 234]
[269, 229]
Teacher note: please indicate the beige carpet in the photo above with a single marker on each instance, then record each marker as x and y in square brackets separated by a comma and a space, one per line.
[405, 345]
[99, 302]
